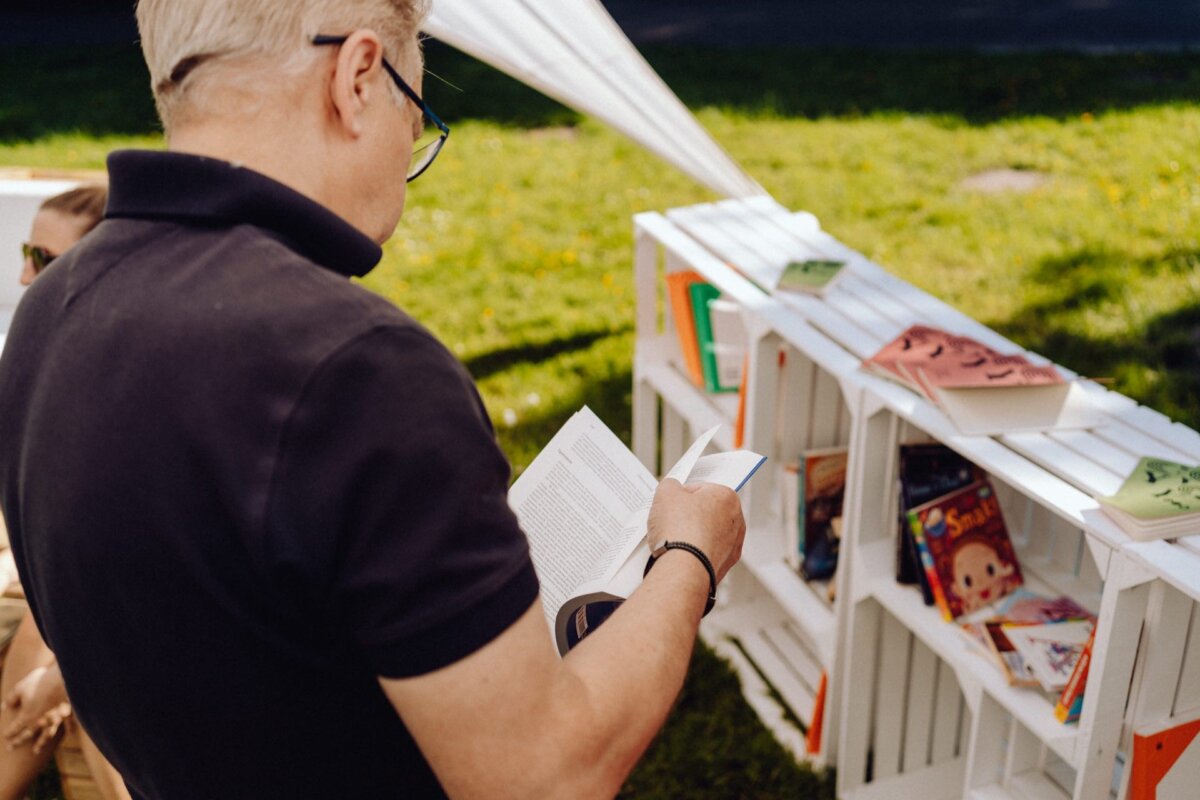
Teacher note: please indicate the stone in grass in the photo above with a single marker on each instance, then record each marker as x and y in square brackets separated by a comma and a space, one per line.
[996, 181]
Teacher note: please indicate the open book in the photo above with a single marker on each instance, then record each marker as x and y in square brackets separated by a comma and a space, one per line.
[584, 503]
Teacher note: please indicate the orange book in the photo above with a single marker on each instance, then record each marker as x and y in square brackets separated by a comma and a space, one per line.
[1070, 703]
[679, 292]
[1166, 759]
[813, 740]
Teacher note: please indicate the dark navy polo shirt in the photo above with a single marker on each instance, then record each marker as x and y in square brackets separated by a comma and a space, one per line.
[239, 488]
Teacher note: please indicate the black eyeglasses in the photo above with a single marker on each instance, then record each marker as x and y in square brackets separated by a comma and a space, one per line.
[427, 147]
[40, 256]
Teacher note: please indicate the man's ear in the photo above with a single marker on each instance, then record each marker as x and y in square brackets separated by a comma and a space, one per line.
[355, 80]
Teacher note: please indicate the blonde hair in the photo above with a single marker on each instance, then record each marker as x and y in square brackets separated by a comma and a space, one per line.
[182, 39]
[85, 203]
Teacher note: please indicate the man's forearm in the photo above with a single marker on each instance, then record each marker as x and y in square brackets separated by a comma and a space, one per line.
[632, 668]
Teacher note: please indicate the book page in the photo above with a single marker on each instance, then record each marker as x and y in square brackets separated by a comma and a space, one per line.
[727, 469]
[575, 503]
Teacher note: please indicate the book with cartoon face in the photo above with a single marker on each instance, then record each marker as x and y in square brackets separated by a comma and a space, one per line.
[965, 549]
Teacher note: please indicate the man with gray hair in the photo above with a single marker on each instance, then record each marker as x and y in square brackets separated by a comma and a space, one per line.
[286, 491]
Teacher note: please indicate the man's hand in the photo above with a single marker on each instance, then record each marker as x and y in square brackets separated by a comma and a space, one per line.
[40, 700]
[705, 515]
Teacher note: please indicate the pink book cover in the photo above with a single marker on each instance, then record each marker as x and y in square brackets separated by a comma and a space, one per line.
[988, 372]
[922, 345]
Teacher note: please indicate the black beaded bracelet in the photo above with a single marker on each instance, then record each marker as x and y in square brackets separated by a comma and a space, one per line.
[698, 553]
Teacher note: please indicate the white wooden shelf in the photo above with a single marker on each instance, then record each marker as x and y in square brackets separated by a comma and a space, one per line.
[914, 711]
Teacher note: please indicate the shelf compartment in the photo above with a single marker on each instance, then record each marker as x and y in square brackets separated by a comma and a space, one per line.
[1030, 706]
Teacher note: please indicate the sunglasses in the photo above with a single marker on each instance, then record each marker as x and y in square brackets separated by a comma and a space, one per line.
[40, 256]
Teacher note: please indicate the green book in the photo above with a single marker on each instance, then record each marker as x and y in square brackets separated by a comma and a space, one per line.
[1158, 488]
[702, 293]
[812, 275]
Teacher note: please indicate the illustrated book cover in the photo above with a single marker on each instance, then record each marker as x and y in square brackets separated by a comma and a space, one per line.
[965, 549]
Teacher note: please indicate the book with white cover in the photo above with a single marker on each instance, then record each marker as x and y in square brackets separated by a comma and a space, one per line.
[584, 504]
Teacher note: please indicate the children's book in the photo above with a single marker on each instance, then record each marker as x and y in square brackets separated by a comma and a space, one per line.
[1070, 702]
[965, 550]
[1011, 661]
[584, 503]
[982, 391]
[823, 488]
[810, 276]
[927, 471]
[1166, 759]
[1050, 651]
[679, 294]
[1159, 500]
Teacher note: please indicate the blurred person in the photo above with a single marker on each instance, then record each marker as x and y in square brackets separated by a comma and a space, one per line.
[35, 710]
[287, 492]
[60, 222]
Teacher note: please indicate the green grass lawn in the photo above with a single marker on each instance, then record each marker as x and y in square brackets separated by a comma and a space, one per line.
[516, 248]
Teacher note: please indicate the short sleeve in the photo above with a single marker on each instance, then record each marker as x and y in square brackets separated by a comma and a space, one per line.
[389, 501]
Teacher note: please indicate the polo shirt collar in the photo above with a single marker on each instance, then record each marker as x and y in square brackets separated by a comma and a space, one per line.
[158, 185]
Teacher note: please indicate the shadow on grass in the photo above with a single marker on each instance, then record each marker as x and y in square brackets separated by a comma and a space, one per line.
[105, 90]
[1157, 364]
[487, 364]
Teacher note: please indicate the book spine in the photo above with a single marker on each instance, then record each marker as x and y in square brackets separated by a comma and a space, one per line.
[1070, 703]
[679, 293]
[701, 294]
[935, 585]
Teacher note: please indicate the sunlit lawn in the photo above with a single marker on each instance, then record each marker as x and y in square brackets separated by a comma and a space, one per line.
[516, 248]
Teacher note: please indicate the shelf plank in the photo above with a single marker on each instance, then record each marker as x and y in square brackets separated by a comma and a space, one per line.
[811, 613]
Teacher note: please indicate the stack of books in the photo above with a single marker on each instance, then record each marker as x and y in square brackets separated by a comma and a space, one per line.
[1159, 500]
[712, 336]
[982, 391]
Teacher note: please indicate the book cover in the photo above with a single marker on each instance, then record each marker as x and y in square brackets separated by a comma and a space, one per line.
[926, 471]
[679, 295]
[823, 485]
[965, 550]
[1010, 659]
[813, 276]
[1050, 651]
[1156, 489]
[1070, 702]
[1166, 759]
[987, 372]
[922, 345]
[701, 294]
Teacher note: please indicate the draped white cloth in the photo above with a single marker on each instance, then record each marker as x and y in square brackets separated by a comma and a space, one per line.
[573, 51]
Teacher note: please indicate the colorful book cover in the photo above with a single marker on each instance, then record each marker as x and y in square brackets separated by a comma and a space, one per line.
[679, 295]
[965, 549]
[1026, 606]
[823, 488]
[701, 294]
[1052, 650]
[811, 275]
[812, 741]
[927, 471]
[1158, 488]
[1010, 659]
[1070, 702]
[739, 422]
[1166, 759]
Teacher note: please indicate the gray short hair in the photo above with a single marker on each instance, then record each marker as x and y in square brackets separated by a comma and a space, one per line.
[181, 38]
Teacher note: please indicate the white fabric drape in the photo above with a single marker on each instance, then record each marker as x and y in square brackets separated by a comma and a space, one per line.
[573, 51]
